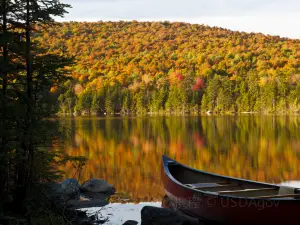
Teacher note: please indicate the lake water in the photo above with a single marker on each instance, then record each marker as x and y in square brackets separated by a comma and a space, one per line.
[127, 151]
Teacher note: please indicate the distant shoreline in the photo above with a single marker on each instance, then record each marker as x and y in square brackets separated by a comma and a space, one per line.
[61, 115]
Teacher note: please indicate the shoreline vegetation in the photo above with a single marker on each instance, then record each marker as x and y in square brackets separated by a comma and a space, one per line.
[95, 114]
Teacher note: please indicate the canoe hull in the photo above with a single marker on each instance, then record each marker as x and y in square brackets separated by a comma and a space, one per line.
[226, 210]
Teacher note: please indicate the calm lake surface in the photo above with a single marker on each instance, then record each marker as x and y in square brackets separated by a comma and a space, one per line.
[127, 151]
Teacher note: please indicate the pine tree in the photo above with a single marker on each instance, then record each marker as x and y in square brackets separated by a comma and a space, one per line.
[212, 92]
[34, 73]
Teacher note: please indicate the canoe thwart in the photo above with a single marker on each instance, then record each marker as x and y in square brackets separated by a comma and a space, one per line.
[203, 185]
[246, 190]
[210, 185]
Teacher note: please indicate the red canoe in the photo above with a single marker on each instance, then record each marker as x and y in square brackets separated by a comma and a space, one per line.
[227, 200]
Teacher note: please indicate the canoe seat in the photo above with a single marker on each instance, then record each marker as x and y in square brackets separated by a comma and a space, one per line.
[209, 185]
[286, 190]
[203, 185]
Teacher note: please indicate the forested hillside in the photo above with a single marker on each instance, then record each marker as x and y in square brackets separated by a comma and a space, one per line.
[161, 67]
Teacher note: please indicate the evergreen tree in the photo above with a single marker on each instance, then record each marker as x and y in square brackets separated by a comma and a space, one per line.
[98, 101]
[204, 103]
[85, 102]
[126, 103]
[27, 75]
[269, 96]
[140, 106]
[228, 96]
[212, 93]
[294, 99]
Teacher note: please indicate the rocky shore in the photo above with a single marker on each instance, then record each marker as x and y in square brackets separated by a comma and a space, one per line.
[69, 197]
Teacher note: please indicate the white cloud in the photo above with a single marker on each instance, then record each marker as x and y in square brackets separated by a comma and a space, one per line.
[267, 16]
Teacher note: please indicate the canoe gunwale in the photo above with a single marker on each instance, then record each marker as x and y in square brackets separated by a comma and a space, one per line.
[167, 161]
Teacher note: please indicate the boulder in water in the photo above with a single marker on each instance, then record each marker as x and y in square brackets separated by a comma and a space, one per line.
[97, 186]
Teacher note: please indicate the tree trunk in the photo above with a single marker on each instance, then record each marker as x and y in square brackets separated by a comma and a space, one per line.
[5, 56]
[25, 167]
[3, 144]
[30, 102]
[28, 59]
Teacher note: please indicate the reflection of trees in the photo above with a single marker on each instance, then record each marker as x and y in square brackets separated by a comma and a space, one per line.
[127, 151]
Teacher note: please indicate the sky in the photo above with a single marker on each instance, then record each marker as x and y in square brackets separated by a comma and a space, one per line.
[274, 17]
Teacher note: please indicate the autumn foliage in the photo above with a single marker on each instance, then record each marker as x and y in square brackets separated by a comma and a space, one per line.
[150, 67]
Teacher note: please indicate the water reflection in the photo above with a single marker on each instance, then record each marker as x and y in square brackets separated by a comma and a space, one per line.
[127, 151]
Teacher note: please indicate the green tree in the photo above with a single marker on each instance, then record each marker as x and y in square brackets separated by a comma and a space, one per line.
[225, 99]
[204, 103]
[85, 101]
[126, 102]
[269, 97]
[294, 98]
[29, 73]
[140, 106]
[158, 100]
[212, 93]
[67, 99]
[98, 101]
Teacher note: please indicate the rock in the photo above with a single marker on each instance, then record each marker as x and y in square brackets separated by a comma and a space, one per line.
[81, 214]
[154, 216]
[74, 204]
[167, 203]
[70, 186]
[130, 222]
[96, 196]
[97, 186]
